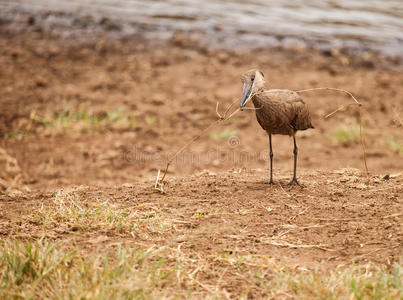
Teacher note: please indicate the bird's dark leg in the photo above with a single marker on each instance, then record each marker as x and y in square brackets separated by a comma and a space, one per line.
[271, 162]
[294, 178]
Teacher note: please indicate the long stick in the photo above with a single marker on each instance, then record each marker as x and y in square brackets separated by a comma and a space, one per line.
[185, 146]
[222, 118]
[362, 138]
[331, 89]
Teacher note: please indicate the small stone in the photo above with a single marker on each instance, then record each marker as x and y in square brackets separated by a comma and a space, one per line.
[128, 185]
[223, 57]
[218, 27]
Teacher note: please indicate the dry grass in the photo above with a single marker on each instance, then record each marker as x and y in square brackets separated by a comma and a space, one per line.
[45, 269]
[72, 213]
[69, 268]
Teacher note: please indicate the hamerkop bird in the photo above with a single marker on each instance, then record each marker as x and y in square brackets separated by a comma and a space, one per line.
[277, 111]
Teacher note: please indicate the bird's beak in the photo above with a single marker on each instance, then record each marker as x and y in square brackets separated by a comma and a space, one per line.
[247, 88]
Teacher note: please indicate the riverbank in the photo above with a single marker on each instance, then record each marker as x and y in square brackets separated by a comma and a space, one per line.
[351, 26]
[89, 25]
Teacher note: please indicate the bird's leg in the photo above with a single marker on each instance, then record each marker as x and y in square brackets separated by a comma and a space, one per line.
[271, 162]
[294, 178]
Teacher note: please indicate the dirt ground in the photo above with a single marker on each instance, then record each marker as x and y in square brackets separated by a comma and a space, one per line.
[99, 119]
[335, 218]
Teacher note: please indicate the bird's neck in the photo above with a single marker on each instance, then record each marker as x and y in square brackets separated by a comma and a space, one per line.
[256, 99]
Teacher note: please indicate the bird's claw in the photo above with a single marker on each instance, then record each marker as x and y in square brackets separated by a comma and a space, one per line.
[294, 181]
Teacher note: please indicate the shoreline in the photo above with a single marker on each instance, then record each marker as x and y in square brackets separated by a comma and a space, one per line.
[87, 28]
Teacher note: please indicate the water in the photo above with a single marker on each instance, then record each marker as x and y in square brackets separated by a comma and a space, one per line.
[373, 24]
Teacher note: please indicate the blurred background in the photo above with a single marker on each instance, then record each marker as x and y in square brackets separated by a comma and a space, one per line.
[353, 24]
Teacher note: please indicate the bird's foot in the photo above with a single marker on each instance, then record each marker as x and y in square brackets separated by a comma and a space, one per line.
[271, 182]
[294, 181]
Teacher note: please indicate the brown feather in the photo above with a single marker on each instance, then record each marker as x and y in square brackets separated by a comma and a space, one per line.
[281, 111]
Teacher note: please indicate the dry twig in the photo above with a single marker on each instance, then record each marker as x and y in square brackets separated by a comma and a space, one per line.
[356, 102]
[159, 184]
[290, 245]
[393, 216]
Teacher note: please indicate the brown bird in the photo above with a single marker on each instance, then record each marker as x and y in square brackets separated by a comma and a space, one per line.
[277, 111]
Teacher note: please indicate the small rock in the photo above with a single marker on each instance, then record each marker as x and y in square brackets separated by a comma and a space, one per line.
[128, 185]
[218, 27]
[31, 20]
[108, 24]
[178, 39]
[41, 82]
[222, 57]
[158, 99]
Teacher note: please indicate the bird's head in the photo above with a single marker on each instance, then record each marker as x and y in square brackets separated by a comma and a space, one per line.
[253, 81]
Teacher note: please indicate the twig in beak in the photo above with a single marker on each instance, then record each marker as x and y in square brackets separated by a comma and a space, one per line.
[252, 108]
[216, 110]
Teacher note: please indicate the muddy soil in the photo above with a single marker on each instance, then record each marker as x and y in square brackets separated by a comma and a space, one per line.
[217, 189]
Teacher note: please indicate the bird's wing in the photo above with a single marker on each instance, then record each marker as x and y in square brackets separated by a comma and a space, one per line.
[294, 109]
[273, 113]
[286, 96]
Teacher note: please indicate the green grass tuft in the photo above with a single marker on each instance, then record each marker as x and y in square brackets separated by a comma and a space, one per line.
[152, 121]
[395, 146]
[83, 119]
[225, 134]
[346, 135]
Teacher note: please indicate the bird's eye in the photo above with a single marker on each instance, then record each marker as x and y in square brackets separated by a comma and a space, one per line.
[252, 78]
